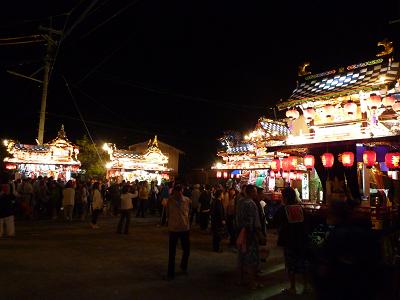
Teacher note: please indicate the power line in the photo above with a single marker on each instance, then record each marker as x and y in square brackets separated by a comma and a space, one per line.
[81, 117]
[104, 60]
[110, 18]
[228, 105]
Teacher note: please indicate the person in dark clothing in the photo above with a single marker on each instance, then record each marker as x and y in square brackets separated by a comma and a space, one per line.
[204, 210]
[7, 208]
[217, 220]
[344, 257]
[292, 237]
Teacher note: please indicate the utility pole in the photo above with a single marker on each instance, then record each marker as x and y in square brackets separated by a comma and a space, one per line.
[48, 61]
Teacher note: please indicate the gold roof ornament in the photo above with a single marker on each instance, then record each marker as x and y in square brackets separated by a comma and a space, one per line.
[61, 133]
[303, 69]
[153, 143]
[388, 47]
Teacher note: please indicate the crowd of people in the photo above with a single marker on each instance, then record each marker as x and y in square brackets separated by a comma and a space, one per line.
[237, 214]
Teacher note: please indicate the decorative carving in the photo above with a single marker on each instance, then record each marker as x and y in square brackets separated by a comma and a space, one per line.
[388, 47]
[303, 69]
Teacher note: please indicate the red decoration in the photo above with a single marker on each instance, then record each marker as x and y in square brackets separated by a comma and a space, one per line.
[292, 163]
[275, 165]
[309, 113]
[369, 158]
[388, 101]
[350, 108]
[309, 161]
[347, 159]
[225, 174]
[374, 102]
[299, 176]
[219, 174]
[292, 176]
[327, 160]
[285, 175]
[392, 160]
[328, 110]
[285, 164]
[292, 114]
[396, 107]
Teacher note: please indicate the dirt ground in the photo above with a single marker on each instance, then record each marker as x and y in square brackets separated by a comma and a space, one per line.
[57, 260]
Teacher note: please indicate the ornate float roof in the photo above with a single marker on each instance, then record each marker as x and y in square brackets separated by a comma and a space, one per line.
[371, 75]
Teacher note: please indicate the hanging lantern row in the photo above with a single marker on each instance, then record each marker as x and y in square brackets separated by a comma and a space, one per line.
[374, 102]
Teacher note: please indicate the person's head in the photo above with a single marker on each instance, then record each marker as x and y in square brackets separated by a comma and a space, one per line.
[218, 194]
[96, 185]
[251, 191]
[289, 196]
[232, 192]
[69, 184]
[125, 189]
[177, 190]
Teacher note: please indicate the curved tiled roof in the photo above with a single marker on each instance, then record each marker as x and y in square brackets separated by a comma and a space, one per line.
[371, 75]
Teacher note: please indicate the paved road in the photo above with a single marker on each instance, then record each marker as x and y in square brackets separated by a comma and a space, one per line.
[56, 260]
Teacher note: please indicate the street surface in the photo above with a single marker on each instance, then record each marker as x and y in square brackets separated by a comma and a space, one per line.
[57, 260]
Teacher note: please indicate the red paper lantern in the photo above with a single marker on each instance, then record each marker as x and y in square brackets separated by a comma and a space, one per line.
[275, 164]
[225, 174]
[396, 107]
[388, 101]
[374, 102]
[292, 176]
[299, 176]
[285, 164]
[309, 161]
[285, 175]
[369, 158]
[309, 113]
[292, 163]
[392, 160]
[219, 174]
[350, 108]
[328, 110]
[292, 114]
[347, 159]
[278, 174]
[327, 160]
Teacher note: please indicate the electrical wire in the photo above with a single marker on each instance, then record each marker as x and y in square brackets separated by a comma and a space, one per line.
[105, 59]
[228, 105]
[81, 117]
[110, 18]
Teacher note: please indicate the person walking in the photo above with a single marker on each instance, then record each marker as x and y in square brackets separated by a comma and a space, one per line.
[249, 227]
[8, 196]
[178, 227]
[125, 210]
[68, 200]
[218, 222]
[230, 217]
[97, 204]
[292, 237]
[194, 209]
[143, 198]
[204, 209]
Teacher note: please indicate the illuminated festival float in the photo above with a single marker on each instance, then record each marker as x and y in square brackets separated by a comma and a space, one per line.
[343, 127]
[57, 158]
[130, 166]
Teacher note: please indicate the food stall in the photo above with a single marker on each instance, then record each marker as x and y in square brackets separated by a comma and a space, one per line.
[130, 166]
[57, 158]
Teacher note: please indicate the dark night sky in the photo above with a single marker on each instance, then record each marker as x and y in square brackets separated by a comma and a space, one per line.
[185, 70]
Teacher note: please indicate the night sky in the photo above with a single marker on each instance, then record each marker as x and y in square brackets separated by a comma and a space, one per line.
[185, 70]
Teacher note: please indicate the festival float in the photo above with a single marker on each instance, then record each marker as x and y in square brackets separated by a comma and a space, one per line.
[130, 166]
[57, 159]
[342, 128]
